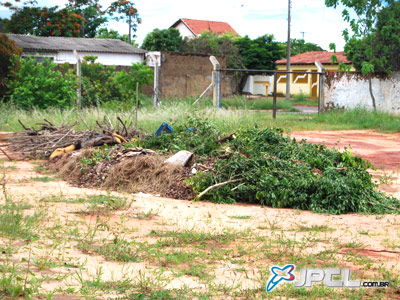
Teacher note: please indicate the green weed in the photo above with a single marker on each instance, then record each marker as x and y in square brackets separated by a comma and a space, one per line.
[240, 217]
[42, 179]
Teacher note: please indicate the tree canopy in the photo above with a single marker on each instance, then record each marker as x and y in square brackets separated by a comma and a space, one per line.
[361, 47]
[105, 33]
[211, 43]
[7, 50]
[260, 53]
[79, 18]
[298, 46]
[373, 46]
[163, 40]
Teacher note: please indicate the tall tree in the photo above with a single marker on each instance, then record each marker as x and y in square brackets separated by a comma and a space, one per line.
[260, 53]
[360, 44]
[45, 22]
[163, 40]
[91, 13]
[125, 10]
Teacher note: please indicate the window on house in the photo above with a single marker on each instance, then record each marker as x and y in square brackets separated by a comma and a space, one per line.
[300, 78]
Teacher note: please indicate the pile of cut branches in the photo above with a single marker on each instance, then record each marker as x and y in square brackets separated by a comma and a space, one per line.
[265, 167]
[41, 142]
[268, 168]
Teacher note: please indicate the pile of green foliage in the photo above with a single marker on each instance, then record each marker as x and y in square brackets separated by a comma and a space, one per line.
[268, 168]
[194, 134]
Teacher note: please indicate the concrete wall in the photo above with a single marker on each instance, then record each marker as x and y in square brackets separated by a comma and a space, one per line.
[188, 75]
[352, 91]
[108, 59]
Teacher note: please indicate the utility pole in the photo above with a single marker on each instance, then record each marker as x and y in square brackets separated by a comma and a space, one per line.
[288, 54]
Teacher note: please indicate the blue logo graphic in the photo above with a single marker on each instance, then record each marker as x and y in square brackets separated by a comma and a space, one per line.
[276, 279]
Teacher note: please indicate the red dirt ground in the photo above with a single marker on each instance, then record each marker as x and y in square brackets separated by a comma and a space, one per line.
[382, 150]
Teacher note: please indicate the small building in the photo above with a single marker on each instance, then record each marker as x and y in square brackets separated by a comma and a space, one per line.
[60, 49]
[192, 28]
[259, 85]
[307, 84]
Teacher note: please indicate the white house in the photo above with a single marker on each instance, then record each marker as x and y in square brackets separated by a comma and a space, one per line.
[192, 28]
[60, 49]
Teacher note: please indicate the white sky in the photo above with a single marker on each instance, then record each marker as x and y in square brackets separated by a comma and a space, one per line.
[322, 25]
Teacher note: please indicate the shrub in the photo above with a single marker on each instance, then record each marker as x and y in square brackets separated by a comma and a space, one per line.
[7, 50]
[301, 97]
[138, 72]
[41, 85]
[98, 83]
[102, 84]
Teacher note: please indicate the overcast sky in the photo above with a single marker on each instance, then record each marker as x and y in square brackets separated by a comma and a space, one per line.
[318, 24]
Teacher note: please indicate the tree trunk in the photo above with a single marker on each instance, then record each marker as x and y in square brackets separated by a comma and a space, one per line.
[242, 84]
[371, 92]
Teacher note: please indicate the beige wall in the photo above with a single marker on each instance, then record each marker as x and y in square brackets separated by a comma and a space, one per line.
[188, 75]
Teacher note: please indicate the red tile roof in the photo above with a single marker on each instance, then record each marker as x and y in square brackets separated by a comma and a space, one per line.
[309, 58]
[199, 26]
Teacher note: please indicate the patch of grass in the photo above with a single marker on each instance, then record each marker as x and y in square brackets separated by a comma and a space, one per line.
[196, 270]
[61, 198]
[353, 244]
[14, 224]
[240, 217]
[364, 232]
[150, 214]
[104, 204]
[7, 167]
[238, 102]
[315, 228]
[109, 201]
[191, 237]
[359, 119]
[120, 250]
[227, 119]
[42, 179]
